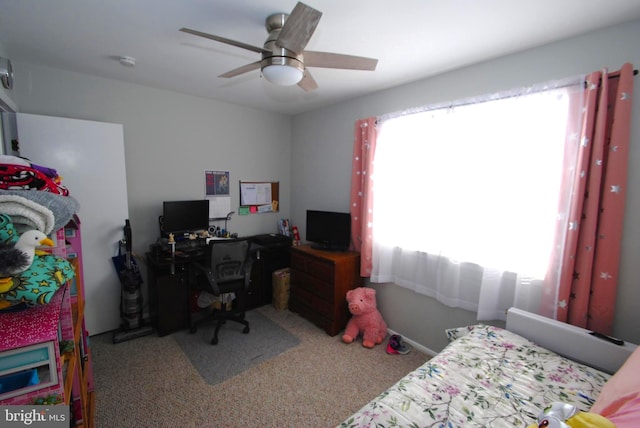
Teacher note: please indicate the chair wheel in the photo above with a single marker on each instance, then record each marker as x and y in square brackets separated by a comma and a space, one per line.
[246, 330]
[193, 329]
[214, 341]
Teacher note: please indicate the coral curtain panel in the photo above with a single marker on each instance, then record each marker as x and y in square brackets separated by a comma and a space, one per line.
[588, 272]
[361, 196]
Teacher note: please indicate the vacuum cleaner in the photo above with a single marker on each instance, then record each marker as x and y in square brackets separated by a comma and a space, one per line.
[132, 323]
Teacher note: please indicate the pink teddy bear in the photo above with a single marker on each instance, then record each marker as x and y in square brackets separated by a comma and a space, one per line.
[366, 318]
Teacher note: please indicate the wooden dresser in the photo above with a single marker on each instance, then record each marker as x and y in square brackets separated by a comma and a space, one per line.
[319, 283]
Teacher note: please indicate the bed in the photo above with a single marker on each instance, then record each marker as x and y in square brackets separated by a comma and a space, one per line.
[493, 377]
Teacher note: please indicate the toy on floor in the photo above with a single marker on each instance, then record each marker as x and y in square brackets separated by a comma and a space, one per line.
[563, 415]
[16, 258]
[365, 319]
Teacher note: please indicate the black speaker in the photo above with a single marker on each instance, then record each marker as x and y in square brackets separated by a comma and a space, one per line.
[161, 225]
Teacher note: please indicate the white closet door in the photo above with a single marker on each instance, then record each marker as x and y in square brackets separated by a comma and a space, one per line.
[89, 156]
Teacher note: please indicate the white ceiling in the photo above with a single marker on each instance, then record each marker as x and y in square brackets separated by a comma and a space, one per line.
[412, 39]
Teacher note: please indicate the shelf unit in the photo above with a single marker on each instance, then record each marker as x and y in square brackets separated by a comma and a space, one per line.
[46, 349]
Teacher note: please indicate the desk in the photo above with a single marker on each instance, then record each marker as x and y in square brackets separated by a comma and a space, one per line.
[169, 300]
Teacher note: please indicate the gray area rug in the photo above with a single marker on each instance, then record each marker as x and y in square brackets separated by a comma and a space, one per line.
[235, 351]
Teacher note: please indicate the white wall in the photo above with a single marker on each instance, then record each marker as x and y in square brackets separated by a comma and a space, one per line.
[170, 140]
[5, 96]
[322, 147]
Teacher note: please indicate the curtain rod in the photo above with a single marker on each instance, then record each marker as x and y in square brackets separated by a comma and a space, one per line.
[515, 92]
[490, 97]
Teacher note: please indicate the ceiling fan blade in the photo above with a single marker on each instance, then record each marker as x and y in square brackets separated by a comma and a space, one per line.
[224, 40]
[308, 83]
[298, 28]
[333, 60]
[240, 70]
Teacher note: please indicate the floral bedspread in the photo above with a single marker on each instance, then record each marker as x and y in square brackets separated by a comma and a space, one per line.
[486, 377]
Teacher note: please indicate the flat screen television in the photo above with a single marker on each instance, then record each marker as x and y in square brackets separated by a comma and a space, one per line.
[185, 216]
[328, 230]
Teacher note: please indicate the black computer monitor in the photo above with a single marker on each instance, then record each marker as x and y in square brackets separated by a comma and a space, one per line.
[185, 216]
[329, 230]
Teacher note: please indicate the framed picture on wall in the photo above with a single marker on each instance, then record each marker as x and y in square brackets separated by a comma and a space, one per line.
[217, 183]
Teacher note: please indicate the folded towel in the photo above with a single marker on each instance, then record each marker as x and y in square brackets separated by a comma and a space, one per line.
[26, 212]
[62, 207]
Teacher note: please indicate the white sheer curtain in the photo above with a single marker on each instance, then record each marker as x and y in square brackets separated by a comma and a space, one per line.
[466, 196]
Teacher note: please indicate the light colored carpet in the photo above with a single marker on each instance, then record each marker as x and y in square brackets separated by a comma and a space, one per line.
[150, 382]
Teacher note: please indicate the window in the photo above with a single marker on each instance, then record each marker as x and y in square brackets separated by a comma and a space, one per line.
[466, 197]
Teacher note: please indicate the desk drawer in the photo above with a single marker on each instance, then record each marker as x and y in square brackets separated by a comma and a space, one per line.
[322, 270]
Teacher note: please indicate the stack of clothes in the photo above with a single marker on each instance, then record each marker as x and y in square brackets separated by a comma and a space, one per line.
[32, 197]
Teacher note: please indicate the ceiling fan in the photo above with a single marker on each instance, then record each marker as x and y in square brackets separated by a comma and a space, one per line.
[284, 61]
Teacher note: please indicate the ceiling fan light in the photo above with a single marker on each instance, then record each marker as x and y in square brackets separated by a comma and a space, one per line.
[282, 75]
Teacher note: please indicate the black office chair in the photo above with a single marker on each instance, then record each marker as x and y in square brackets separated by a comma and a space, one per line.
[228, 271]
